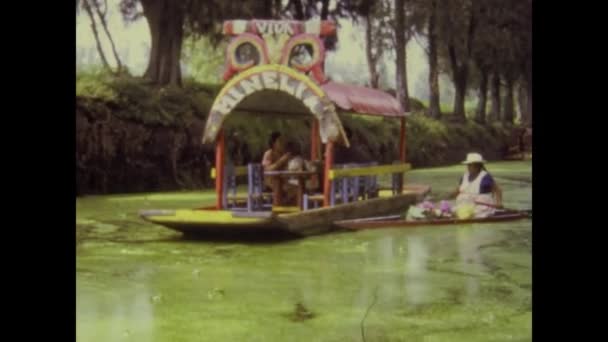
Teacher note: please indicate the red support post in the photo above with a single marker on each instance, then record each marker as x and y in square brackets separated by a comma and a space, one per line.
[314, 140]
[329, 160]
[219, 168]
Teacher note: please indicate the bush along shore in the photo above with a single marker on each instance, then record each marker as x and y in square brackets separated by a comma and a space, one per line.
[135, 138]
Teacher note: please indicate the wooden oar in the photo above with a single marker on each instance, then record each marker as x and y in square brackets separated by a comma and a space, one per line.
[525, 212]
[489, 205]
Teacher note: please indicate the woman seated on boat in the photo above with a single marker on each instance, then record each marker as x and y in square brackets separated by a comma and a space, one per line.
[275, 158]
[478, 194]
[294, 163]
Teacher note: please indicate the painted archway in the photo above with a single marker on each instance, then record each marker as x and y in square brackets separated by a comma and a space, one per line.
[275, 77]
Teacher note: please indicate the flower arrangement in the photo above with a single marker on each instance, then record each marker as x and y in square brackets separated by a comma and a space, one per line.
[428, 210]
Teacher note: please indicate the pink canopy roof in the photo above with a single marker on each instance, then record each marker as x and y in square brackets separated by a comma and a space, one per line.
[362, 99]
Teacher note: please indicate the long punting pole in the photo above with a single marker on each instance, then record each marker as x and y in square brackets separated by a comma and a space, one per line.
[219, 169]
[329, 160]
[402, 147]
[314, 140]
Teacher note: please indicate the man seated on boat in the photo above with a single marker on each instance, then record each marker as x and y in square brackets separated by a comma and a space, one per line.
[347, 155]
[238, 151]
[478, 194]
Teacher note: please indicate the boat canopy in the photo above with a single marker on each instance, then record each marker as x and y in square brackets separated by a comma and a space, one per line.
[363, 100]
[276, 89]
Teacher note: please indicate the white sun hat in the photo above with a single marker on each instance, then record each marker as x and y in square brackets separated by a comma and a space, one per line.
[473, 158]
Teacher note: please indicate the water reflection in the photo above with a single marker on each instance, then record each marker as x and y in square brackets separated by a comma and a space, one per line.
[416, 285]
[142, 313]
[388, 290]
[116, 315]
[470, 260]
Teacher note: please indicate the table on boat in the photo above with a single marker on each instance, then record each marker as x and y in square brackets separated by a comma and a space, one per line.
[277, 183]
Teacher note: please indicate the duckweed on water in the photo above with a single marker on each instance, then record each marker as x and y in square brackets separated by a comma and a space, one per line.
[142, 282]
[300, 313]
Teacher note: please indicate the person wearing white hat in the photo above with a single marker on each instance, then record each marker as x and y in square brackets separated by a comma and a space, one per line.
[477, 189]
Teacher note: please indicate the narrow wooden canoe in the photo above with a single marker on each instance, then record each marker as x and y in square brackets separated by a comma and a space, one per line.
[300, 223]
[397, 222]
[321, 220]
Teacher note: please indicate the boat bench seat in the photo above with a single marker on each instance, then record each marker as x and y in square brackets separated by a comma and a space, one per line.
[253, 214]
[243, 196]
[255, 198]
[315, 199]
[263, 195]
[236, 197]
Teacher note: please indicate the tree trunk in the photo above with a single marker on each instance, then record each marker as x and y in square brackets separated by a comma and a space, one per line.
[434, 108]
[278, 8]
[165, 20]
[406, 93]
[102, 55]
[480, 113]
[495, 94]
[324, 9]
[374, 76]
[526, 84]
[460, 85]
[266, 9]
[299, 15]
[508, 114]
[460, 67]
[401, 77]
[521, 101]
[528, 117]
[459, 78]
[104, 24]
[328, 42]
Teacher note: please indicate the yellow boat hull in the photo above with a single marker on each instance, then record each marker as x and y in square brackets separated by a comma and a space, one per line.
[195, 221]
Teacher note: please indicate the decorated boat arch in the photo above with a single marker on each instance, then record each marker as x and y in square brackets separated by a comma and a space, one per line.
[275, 77]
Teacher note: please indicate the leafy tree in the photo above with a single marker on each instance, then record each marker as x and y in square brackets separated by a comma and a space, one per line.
[170, 21]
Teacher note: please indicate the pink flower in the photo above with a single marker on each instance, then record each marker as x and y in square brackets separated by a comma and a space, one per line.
[445, 207]
[427, 205]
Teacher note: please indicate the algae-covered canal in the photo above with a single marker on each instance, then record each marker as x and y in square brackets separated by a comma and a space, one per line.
[140, 282]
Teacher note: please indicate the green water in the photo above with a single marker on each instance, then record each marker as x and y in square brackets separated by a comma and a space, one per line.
[140, 282]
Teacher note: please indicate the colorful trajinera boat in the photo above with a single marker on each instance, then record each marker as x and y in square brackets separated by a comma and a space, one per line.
[276, 67]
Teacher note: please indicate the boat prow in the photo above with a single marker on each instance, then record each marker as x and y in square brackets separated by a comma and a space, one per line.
[211, 221]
